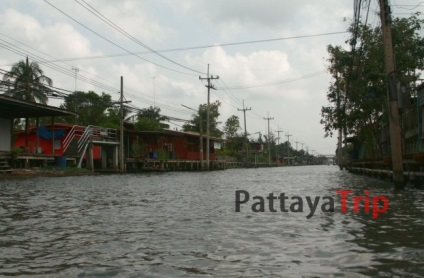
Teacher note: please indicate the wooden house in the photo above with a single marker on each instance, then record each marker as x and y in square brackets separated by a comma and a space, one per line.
[40, 141]
[168, 144]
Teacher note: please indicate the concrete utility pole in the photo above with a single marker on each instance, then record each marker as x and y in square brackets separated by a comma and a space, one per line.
[121, 133]
[201, 133]
[296, 143]
[392, 96]
[278, 132]
[288, 148]
[278, 143]
[209, 86]
[303, 153]
[245, 131]
[269, 141]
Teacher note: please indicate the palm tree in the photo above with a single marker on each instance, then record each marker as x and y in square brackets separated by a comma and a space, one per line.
[28, 82]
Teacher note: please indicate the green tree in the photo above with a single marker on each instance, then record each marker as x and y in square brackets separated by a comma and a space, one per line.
[260, 140]
[112, 118]
[28, 82]
[193, 125]
[90, 107]
[150, 119]
[357, 96]
[232, 125]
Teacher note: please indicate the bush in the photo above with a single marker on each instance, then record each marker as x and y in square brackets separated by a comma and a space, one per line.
[139, 151]
[15, 151]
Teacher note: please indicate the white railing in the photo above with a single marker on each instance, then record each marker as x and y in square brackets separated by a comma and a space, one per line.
[76, 130]
[95, 133]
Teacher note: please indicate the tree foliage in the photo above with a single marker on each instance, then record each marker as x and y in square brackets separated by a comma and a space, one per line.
[28, 82]
[193, 125]
[90, 107]
[357, 95]
[232, 125]
[150, 119]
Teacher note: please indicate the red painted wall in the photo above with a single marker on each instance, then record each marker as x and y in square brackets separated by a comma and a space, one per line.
[46, 145]
[184, 148]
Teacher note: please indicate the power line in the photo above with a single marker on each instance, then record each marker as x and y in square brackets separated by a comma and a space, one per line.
[197, 47]
[99, 15]
[310, 75]
[22, 52]
[410, 9]
[224, 87]
[115, 44]
[45, 61]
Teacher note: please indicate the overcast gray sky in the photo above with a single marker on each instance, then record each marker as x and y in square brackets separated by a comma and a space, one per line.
[286, 78]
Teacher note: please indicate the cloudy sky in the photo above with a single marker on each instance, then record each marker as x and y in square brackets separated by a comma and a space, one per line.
[271, 54]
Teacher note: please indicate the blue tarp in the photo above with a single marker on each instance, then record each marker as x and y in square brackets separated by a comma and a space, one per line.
[42, 132]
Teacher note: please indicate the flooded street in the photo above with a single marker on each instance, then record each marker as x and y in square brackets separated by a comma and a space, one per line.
[185, 224]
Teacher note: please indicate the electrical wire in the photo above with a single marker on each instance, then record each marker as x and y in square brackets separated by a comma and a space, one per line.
[198, 47]
[115, 44]
[274, 83]
[113, 90]
[103, 18]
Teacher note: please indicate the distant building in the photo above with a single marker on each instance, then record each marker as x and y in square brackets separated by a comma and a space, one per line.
[169, 144]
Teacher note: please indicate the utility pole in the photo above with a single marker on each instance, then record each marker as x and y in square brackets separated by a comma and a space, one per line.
[278, 143]
[278, 132]
[76, 74]
[121, 133]
[297, 142]
[339, 138]
[209, 86]
[303, 153]
[288, 148]
[201, 133]
[394, 119]
[269, 141]
[245, 131]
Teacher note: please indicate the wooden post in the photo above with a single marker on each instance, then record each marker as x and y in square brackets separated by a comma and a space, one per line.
[89, 160]
[36, 134]
[52, 132]
[115, 158]
[12, 135]
[104, 157]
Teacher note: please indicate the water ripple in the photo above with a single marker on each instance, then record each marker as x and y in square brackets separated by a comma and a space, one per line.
[185, 224]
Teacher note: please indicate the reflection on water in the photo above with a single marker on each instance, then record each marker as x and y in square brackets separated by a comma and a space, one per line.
[185, 224]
